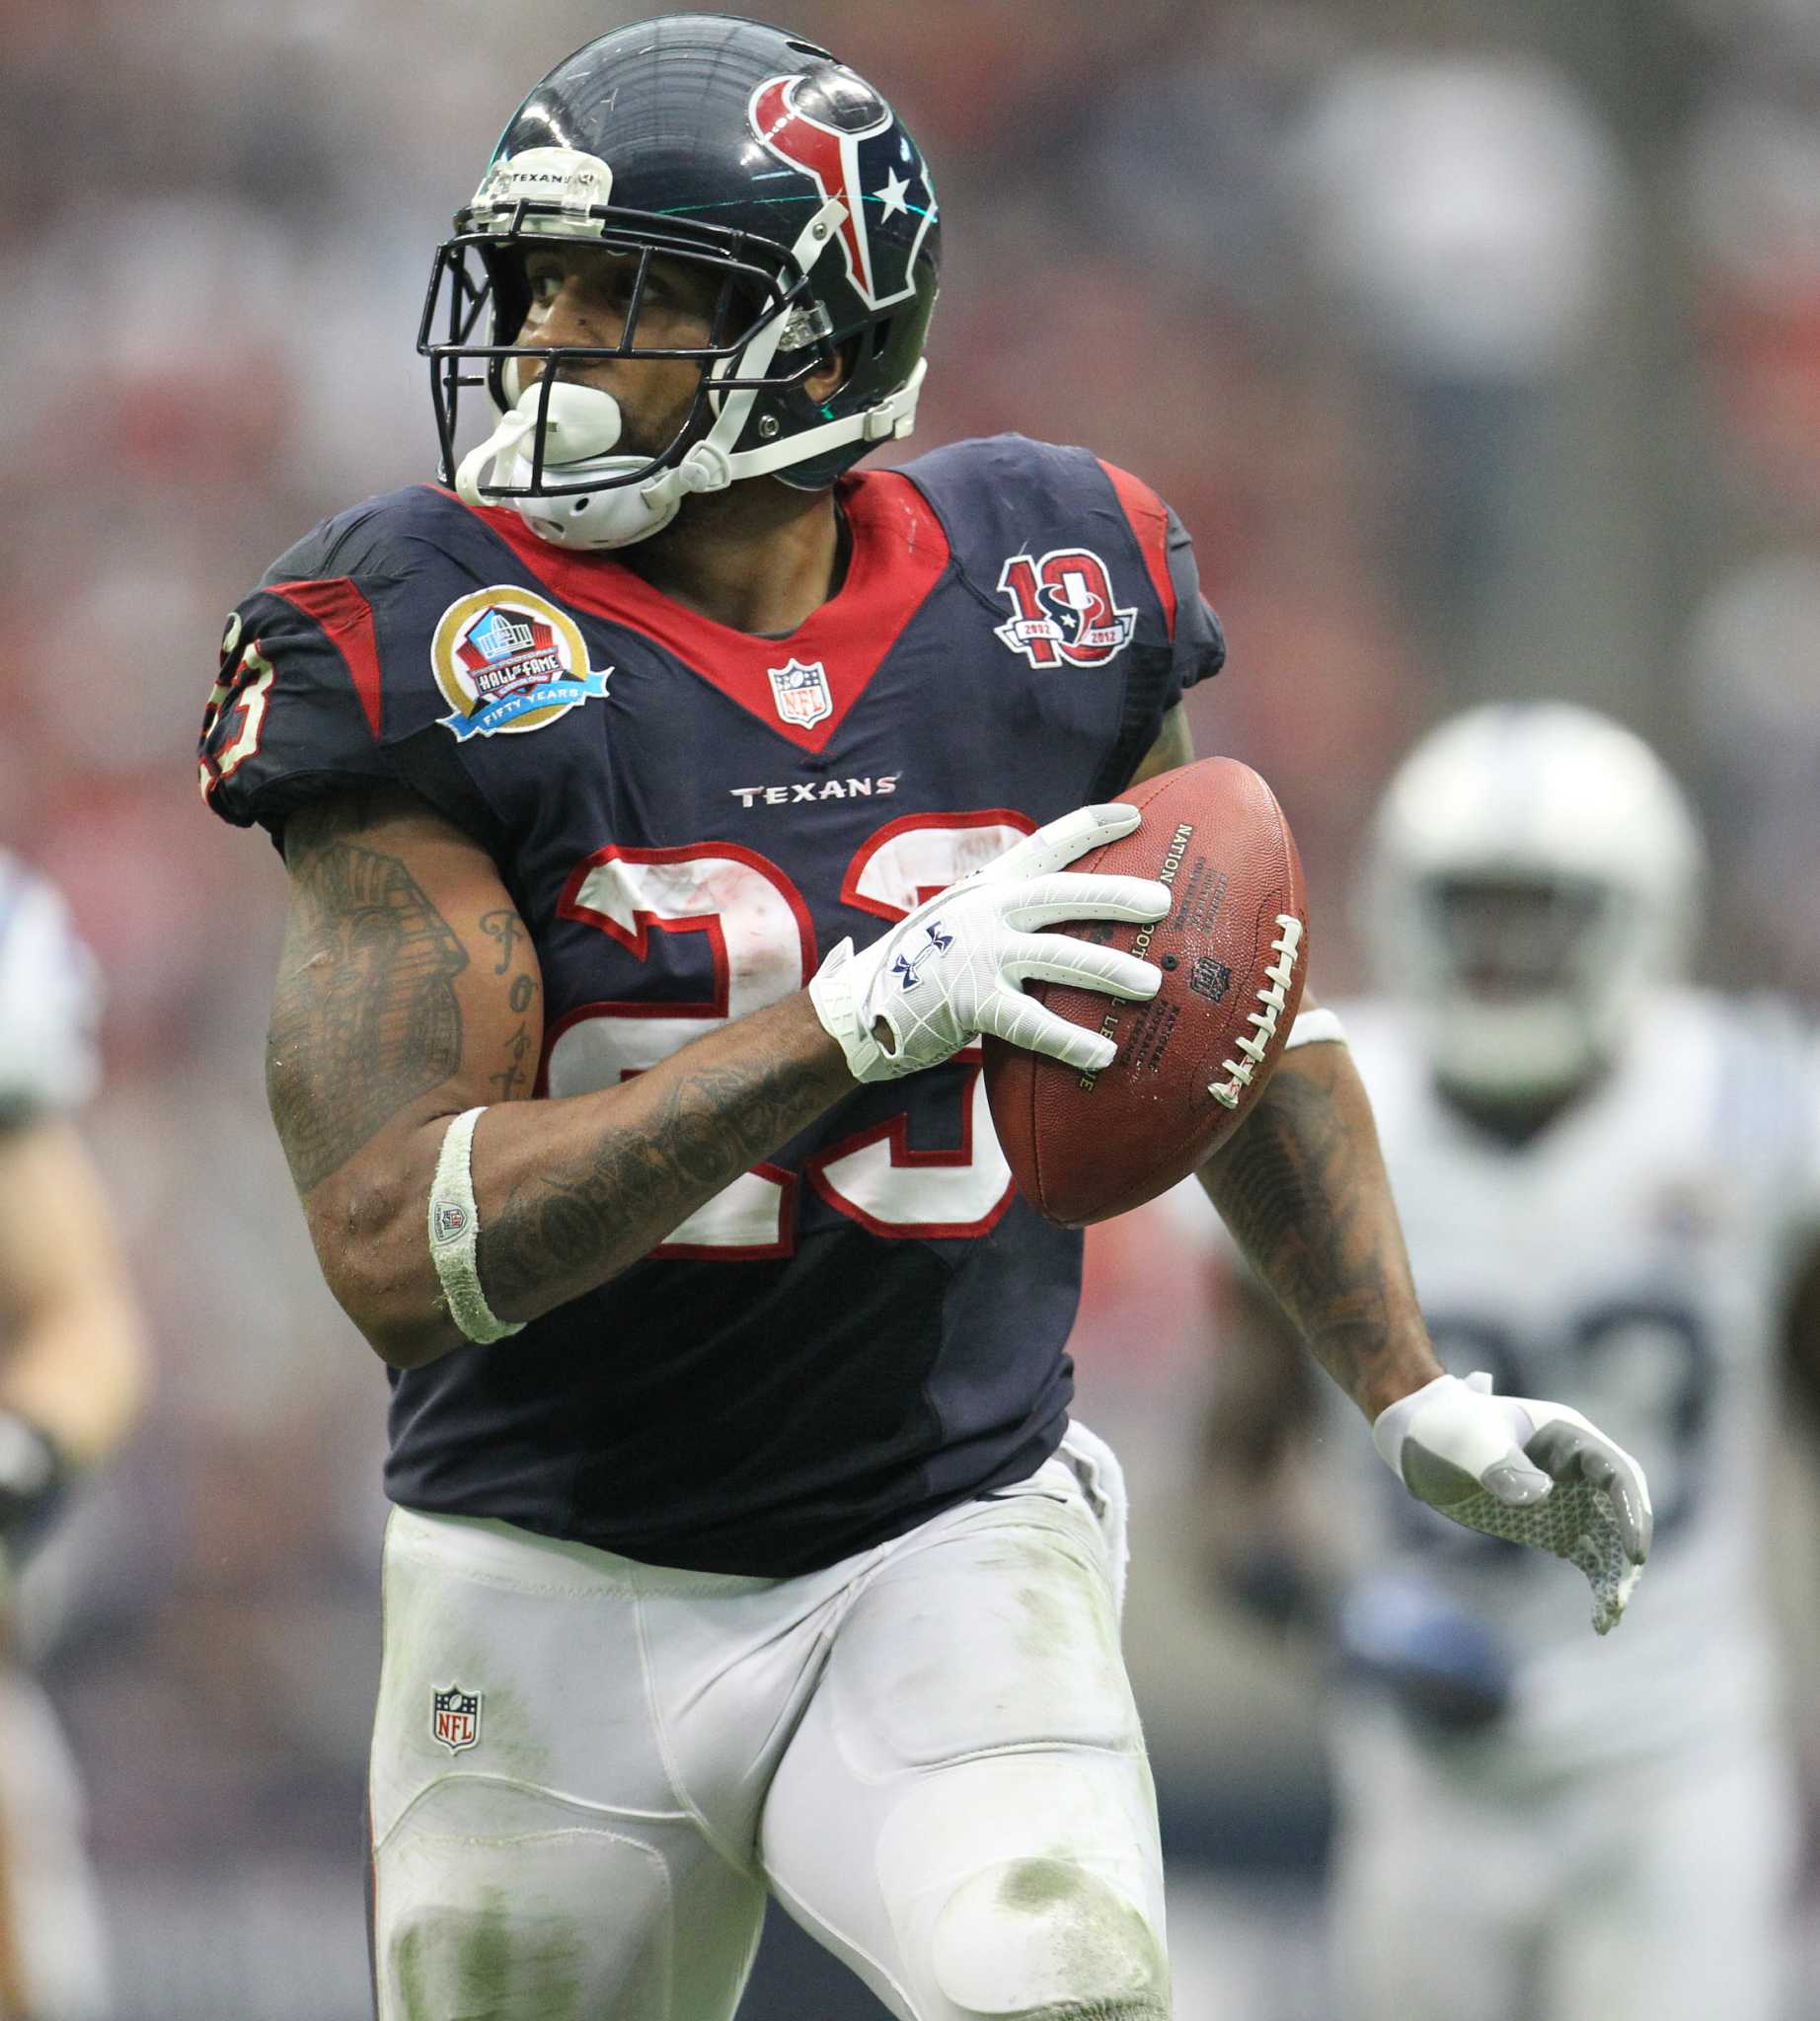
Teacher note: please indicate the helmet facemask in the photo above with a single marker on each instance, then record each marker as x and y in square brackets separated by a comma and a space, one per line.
[1527, 981]
[554, 453]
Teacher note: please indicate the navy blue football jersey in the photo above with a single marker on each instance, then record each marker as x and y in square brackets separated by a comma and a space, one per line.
[870, 1327]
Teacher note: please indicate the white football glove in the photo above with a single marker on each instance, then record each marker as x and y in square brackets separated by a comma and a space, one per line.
[952, 969]
[1537, 1473]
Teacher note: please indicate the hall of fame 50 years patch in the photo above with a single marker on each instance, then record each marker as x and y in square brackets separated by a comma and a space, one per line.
[506, 659]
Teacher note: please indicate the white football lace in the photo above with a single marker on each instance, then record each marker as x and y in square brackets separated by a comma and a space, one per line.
[1275, 1000]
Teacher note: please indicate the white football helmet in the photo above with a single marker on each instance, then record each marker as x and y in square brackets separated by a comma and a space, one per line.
[1533, 873]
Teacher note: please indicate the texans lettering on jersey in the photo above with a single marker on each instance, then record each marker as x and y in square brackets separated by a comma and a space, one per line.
[870, 1327]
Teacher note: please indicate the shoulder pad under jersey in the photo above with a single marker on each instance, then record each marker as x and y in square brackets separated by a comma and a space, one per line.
[1020, 513]
[325, 679]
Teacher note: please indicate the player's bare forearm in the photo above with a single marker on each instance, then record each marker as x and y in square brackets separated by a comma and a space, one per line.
[74, 1363]
[409, 991]
[1303, 1189]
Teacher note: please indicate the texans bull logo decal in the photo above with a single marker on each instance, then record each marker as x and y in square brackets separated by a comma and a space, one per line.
[842, 134]
[1064, 610]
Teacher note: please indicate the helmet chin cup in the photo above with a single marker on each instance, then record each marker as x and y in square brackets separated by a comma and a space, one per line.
[615, 517]
[582, 425]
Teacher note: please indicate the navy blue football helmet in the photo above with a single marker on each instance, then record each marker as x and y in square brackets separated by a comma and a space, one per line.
[748, 153]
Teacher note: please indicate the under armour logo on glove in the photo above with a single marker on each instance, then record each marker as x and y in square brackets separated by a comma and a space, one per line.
[970, 964]
[938, 944]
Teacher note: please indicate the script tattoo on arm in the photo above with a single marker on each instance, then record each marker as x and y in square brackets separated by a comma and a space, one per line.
[1302, 1188]
[507, 928]
[366, 1016]
[513, 1079]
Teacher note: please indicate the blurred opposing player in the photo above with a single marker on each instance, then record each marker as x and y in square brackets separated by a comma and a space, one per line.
[72, 1369]
[1607, 1178]
[668, 807]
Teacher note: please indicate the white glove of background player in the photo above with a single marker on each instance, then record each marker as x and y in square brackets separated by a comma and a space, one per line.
[1537, 1473]
[952, 969]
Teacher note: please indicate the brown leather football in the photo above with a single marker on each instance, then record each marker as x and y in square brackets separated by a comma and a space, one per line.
[1193, 1061]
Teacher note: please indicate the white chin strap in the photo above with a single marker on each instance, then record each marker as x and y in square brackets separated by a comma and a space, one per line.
[583, 426]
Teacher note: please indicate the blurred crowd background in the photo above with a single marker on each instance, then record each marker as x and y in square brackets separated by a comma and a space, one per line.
[1480, 348]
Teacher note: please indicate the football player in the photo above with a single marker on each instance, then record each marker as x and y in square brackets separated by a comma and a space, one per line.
[668, 808]
[1608, 1180]
[72, 1369]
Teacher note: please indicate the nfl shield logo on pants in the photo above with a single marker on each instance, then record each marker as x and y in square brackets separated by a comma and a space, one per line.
[801, 692]
[455, 1718]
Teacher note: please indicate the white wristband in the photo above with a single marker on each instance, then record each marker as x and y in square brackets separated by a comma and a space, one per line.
[1316, 1027]
[455, 1231]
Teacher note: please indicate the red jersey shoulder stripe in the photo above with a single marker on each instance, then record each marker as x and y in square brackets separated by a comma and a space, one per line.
[1149, 520]
[345, 616]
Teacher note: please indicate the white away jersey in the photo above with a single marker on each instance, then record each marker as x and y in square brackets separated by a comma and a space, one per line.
[49, 999]
[1631, 1261]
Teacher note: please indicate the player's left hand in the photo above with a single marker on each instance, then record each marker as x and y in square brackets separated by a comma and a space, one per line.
[968, 953]
[1537, 1473]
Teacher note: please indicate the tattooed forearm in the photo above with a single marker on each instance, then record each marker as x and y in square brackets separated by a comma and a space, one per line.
[1302, 1187]
[412, 991]
[591, 1215]
[366, 1016]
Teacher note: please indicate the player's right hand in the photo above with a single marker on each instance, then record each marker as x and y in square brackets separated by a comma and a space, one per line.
[953, 968]
[1534, 1473]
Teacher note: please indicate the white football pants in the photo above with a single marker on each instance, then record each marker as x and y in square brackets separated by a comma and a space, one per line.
[929, 1752]
[1644, 1891]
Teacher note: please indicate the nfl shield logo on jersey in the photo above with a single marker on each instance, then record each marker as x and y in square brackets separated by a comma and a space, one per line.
[455, 1718]
[801, 692]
